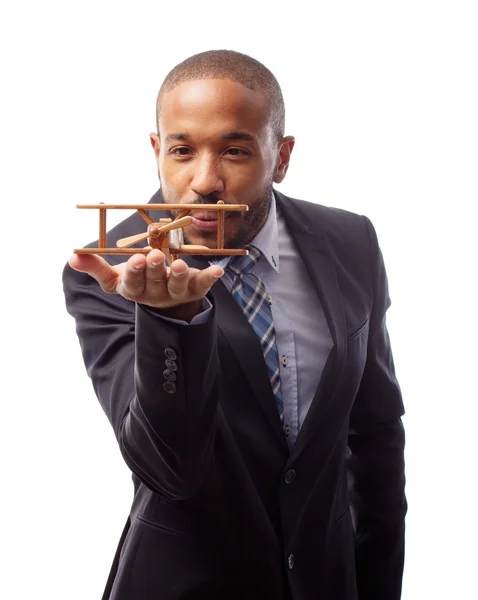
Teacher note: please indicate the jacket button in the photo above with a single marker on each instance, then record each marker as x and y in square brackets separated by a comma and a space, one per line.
[169, 387]
[169, 375]
[171, 364]
[170, 354]
[290, 561]
[289, 476]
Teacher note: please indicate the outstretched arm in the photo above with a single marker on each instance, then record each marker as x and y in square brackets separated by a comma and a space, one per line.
[165, 427]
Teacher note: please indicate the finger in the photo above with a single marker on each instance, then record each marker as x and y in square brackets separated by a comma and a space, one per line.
[97, 267]
[202, 281]
[178, 278]
[133, 277]
[156, 271]
[87, 263]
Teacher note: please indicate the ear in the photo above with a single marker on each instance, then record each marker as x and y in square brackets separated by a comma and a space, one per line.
[286, 146]
[155, 143]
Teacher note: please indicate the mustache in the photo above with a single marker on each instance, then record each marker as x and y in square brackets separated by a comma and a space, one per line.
[209, 199]
[200, 200]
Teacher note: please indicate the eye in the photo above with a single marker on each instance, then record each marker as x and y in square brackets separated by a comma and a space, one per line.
[181, 151]
[237, 152]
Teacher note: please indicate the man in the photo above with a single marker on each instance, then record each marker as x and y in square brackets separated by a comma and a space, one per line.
[259, 414]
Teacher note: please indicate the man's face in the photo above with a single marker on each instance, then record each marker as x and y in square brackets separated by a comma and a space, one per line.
[215, 143]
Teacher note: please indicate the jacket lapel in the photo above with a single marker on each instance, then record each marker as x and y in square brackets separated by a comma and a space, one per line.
[247, 348]
[315, 251]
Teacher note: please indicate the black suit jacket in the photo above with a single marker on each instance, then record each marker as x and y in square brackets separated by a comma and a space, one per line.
[222, 509]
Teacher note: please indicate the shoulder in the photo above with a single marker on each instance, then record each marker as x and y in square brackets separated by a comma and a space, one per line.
[340, 226]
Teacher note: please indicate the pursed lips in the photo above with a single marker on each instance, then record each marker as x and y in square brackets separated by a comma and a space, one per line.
[204, 216]
[204, 221]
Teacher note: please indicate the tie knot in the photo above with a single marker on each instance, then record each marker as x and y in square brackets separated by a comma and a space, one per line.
[244, 263]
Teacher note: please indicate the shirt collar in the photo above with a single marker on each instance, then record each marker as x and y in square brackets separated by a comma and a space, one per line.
[266, 240]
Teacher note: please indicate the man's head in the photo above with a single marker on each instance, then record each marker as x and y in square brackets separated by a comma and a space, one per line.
[220, 136]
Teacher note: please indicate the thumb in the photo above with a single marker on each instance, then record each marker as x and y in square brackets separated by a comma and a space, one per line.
[98, 268]
[202, 281]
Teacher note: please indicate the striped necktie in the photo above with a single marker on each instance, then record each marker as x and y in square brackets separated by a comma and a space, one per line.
[251, 295]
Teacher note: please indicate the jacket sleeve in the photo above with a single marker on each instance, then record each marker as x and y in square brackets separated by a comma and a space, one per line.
[376, 458]
[157, 382]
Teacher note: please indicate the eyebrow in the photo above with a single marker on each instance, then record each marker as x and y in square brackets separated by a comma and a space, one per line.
[177, 137]
[238, 135]
[232, 135]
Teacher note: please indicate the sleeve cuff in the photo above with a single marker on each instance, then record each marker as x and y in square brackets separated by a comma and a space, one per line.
[203, 317]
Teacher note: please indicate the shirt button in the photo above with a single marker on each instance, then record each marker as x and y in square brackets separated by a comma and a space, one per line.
[170, 354]
[169, 387]
[169, 375]
[289, 476]
[171, 364]
[287, 430]
[284, 360]
[290, 561]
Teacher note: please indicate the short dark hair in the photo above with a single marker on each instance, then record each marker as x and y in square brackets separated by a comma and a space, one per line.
[229, 64]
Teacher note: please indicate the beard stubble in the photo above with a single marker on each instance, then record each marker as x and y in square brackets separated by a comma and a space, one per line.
[249, 225]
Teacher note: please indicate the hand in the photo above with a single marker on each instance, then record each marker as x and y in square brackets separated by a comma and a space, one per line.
[177, 289]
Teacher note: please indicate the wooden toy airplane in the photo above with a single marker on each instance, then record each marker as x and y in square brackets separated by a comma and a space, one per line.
[167, 234]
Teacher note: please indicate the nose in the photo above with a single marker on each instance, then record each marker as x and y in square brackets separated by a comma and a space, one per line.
[207, 177]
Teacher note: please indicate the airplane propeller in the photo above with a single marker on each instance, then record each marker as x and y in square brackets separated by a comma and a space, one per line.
[154, 230]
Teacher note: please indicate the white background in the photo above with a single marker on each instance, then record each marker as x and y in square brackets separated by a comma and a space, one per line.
[382, 98]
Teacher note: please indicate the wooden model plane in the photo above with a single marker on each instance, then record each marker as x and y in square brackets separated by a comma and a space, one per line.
[166, 234]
